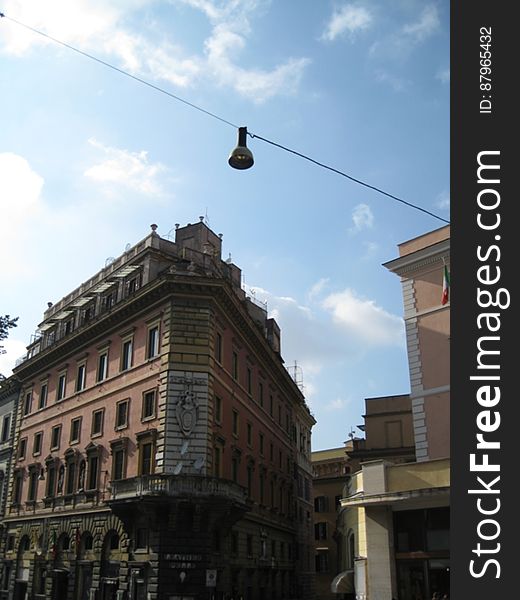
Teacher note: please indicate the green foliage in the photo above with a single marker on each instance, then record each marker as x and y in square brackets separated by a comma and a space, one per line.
[6, 323]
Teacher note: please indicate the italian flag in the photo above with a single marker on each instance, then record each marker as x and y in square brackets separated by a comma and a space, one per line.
[445, 286]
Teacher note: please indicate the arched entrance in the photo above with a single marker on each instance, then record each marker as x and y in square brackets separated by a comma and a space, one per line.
[22, 568]
[61, 570]
[110, 558]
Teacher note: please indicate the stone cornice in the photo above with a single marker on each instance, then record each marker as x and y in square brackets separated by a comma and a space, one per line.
[433, 255]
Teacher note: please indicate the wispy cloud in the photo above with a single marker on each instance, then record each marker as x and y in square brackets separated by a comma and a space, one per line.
[363, 320]
[318, 288]
[348, 19]
[397, 47]
[128, 169]
[336, 404]
[427, 24]
[103, 27]
[443, 200]
[443, 75]
[362, 217]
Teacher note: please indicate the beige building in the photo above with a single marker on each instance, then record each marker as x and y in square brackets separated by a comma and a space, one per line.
[394, 514]
[330, 470]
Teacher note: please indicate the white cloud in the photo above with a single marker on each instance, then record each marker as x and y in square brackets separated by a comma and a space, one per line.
[362, 217]
[370, 250]
[363, 320]
[426, 26]
[102, 27]
[21, 206]
[318, 288]
[128, 169]
[443, 75]
[443, 200]
[337, 404]
[350, 18]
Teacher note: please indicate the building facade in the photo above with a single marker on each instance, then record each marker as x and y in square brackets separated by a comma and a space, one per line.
[9, 392]
[331, 468]
[162, 449]
[395, 513]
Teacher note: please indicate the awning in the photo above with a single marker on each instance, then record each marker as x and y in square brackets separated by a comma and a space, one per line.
[343, 583]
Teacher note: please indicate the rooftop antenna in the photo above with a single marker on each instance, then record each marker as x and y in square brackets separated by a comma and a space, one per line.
[351, 433]
[206, 218]
[296, 373]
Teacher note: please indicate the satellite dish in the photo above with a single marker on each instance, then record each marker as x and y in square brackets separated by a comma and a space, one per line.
[127, 247]
[199, 463]
[178, 468]
[184, 447]
[109, 261]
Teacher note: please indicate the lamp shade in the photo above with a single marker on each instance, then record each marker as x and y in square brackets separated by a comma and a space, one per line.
[241, 157]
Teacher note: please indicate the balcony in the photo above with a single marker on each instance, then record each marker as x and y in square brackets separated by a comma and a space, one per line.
[195, 487]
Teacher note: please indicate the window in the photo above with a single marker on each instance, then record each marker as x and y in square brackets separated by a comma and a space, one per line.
[280, 456]
[6, 428]
[69, 326]
[32, 493]
[218, 409]
[119, 451]
[271, 403]
[261, 439]
[81, 377]
[102, 369]
[249, 434]
[146, 458]
[37, 443]
[249, 381]
[42, 400]
[132, 285]
[149, 404]
[22, 448]
[122, 414]
[93, 468]
[146, 451]
[249, 545]
[51, 480]
[320, 531]
[280, 415]
[321, 504]
[126, 354]
[249, 480]
[141, 538]
[217, 461]
[153, 342]
[218, 348]
[235, 422]
[97, 422]
[271, 452]
[234, 542]
[55, 437]
[234, 365]
[60, 390]
[93, 452]
[70, 486]
[261, 394]
[17, 486]
[27, 403]
[262, 487]
[322, 562]
[234, 469]
[75, 430]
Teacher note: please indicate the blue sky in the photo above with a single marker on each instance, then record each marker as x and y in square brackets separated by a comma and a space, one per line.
[90, 158]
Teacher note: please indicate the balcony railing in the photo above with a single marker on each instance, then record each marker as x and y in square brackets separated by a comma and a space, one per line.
[176, 485]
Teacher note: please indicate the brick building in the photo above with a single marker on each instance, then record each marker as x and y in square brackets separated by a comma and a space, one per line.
[162, 449]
